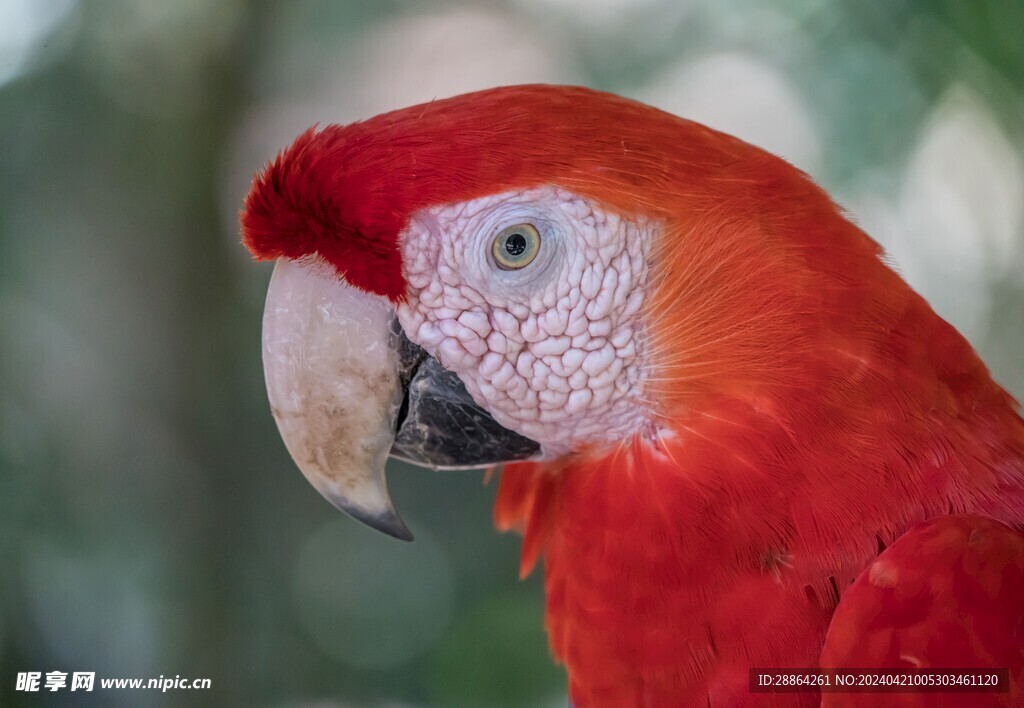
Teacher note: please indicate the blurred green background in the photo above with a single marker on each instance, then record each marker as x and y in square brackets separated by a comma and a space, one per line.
[151, 522]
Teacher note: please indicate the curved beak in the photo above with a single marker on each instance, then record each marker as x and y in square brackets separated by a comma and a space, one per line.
[348, 389]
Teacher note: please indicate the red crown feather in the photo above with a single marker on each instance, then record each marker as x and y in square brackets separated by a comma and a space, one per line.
[346, 192]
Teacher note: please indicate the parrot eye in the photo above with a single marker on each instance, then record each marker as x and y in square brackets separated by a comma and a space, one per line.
[515, 247]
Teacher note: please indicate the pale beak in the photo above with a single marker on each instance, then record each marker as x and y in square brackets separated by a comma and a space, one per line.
[347, 389]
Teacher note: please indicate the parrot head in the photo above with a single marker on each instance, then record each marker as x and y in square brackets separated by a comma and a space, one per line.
[524, 273]
[718, 402]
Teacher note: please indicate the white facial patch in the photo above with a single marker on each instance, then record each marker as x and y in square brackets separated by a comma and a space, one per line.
[553, 350]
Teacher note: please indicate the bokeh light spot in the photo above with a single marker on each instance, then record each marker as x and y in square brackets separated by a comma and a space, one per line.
[24, 25]
[368, 600]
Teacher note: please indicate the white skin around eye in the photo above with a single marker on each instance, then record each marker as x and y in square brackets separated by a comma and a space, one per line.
[554, 350]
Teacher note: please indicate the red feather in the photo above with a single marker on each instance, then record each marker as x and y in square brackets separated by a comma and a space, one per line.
[949, 593]
[346, 192]
[810, 408]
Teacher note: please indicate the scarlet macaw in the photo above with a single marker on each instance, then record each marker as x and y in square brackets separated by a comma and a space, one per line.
[720, 413]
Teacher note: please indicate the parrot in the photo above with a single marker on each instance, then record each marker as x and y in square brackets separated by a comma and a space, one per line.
[731, 434]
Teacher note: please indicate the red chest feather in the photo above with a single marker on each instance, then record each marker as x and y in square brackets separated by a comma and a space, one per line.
[673, 567]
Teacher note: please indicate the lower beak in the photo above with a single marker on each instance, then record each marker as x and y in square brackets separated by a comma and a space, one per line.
[347, 388]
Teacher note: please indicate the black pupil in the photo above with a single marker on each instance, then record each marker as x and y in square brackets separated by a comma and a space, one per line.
[515, 244]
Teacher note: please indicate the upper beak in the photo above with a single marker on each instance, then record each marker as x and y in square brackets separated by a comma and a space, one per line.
[347, 388]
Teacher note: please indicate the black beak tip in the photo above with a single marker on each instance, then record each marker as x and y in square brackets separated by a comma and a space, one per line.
[387, 521]
[393, 526]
